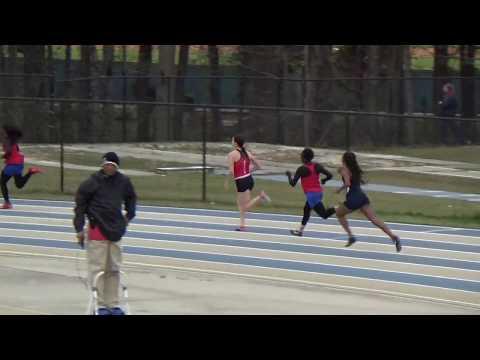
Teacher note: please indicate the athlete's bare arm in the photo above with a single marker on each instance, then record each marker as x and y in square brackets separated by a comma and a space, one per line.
[256, 163]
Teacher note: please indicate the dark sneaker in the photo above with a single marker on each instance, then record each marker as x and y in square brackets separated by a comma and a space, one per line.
[241, 229]
[103, 312]
[117, 311]
[296, 233]
[397, 243]
[351, 241]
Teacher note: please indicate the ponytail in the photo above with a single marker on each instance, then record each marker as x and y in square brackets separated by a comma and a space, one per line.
[241, 144]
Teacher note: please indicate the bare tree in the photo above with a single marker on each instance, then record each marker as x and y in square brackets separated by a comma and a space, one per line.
[13, 113]
[409, 96]
[67, 130]
[215, 92]
[467, 63]
[36, 121]
[164, 91]
[440, 73]
[106, 89]
[180, 91]
[89, 113]
[144, 92]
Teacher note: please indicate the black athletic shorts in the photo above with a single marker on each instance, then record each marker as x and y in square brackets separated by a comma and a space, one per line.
[245, 184]
[356, 199]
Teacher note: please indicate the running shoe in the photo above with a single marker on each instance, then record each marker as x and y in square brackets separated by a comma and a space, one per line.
[296, 233]
[35, 170]
[7, 205]
[351, 241]
[117, 311]
[241, 229]
[265, 197]
[103, 312]
[398, 244]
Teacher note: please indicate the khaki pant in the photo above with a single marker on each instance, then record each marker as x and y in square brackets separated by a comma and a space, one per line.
[105, 256]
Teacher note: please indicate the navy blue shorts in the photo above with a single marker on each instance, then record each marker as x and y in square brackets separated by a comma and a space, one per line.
[245, 184]
[356, 200]
[314, 198]
[12, 170]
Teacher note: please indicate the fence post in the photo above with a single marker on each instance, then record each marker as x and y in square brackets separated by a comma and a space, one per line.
[204, 155]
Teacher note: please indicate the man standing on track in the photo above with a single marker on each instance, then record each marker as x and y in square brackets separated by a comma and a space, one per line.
[100, 198]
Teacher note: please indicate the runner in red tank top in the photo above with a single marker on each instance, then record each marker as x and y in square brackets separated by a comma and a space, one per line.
[239, 164]
[14, 162]
[309, 173]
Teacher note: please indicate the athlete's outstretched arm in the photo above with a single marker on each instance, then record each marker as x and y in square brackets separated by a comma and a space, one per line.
[231, 163]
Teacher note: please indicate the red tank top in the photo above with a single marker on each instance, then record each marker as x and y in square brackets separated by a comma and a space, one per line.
[311, 183]
[15, 157]
[241, 168]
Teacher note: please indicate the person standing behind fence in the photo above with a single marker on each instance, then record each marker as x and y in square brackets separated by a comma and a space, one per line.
[14, 162]
[449, 108]
[100, 198]
[239, 164]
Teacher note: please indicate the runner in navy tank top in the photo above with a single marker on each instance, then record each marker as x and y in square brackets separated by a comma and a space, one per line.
[309, 173]
[239, 164]
[357, 200]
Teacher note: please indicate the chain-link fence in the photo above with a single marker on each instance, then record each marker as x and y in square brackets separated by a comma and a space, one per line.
[70, 120]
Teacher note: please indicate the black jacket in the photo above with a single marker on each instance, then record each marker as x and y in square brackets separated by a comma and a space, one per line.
[449, 106]
[100, 198]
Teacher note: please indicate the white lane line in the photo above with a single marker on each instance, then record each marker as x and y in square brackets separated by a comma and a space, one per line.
[183, 246]
[334, 232]
[280, 259]
[156, 241]
[197, 210]
[273, 278]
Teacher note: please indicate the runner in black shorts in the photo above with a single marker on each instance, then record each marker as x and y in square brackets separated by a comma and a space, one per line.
[239, 162]
[357, 200]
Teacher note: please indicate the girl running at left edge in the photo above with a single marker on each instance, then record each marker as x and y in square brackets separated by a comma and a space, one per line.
[14, 162]
[239, 163]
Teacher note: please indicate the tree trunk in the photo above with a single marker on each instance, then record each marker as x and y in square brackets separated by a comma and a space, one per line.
[180, 91]
[36, 120]
[409, 96]
[67, 129]
[261, 61]
[467, 63]
[13, 112]
[164, 92]
[108, 127]
[215, 94]
[372, 96]
[144, 92]
[440, 74]
[88, 115]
